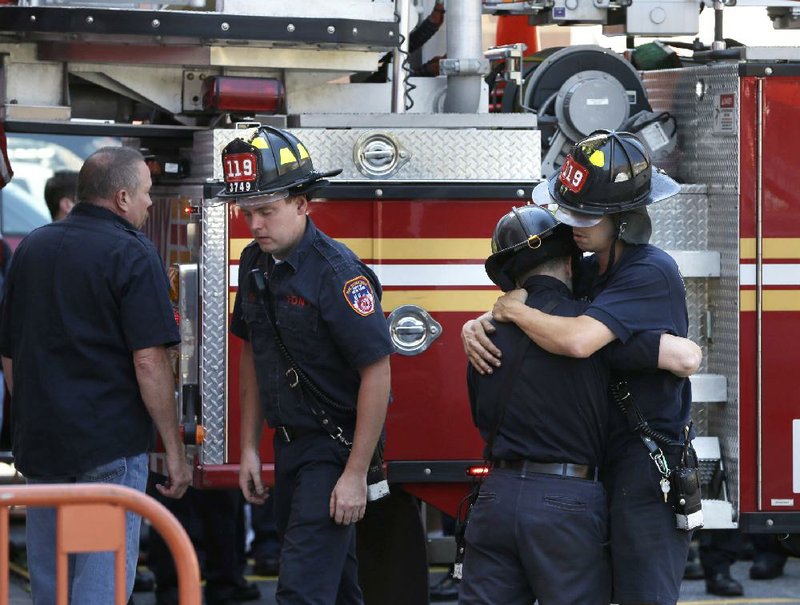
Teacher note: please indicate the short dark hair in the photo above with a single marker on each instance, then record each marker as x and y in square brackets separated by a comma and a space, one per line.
[525, 262]
[63, 183]
[107, 171]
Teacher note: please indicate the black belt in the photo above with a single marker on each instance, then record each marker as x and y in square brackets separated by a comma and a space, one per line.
[562, 469]
[287, 434]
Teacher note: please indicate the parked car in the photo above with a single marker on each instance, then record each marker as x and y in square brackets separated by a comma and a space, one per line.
[20, 213]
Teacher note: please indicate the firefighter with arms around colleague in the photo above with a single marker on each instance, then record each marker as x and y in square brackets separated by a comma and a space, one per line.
[602, 191]
[539, 526]
[314, 365]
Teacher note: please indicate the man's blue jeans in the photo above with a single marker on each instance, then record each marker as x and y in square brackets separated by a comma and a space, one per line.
[91, 575]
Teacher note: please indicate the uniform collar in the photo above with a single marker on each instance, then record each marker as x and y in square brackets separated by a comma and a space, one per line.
[546, 282]
[301, 249]
[98, 212]
[630, 253]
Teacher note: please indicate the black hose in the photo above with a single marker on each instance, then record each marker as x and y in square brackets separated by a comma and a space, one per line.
[705, 56]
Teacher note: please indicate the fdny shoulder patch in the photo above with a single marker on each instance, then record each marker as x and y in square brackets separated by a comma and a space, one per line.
[359, 295]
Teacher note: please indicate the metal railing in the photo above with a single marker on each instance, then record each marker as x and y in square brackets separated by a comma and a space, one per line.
[91, 518]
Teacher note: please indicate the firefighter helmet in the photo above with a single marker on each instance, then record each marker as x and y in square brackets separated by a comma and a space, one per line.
[524, 238]
[605, 173]
[271, 161]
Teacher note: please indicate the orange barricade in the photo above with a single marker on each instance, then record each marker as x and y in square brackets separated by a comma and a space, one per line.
[91, 518]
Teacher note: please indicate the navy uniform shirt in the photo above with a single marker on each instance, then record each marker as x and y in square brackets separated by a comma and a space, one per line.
[644, 290]
[327, 308]
[82, 294]
[558, 407]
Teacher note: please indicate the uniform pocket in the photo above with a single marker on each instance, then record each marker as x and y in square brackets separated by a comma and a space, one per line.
[299, 324]
[254, 314]
[255, 317]
[565, 503]
[486, 497]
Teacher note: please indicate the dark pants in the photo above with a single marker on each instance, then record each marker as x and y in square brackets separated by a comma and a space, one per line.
[533, 536]
[392, 551]
[648, 552]
[719, 549]
[266, 544]
[318, 563]
[214, 521]
[766, 550]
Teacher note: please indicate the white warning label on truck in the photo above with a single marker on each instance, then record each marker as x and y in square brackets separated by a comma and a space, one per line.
[725, 113]
[654, 136]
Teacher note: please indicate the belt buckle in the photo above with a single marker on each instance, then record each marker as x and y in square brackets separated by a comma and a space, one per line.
[284, 433]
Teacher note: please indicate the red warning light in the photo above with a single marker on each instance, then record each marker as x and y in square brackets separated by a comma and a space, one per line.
[240, 94]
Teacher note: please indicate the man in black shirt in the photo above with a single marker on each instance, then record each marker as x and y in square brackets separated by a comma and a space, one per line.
[538, 529]
[85, 325]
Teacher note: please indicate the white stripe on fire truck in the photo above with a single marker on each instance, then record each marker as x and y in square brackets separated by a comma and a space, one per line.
[424, 275]
[772, 275]
[416, 275]
[452, 276]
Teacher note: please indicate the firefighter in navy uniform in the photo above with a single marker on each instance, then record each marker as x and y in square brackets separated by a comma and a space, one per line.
[324, 304]
[538, 529]
[602, 191]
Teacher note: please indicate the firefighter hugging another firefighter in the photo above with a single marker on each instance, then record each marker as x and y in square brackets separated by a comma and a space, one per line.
[540, 525]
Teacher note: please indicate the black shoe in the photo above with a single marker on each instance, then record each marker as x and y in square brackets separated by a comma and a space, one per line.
[766, 570]
[747, 551]
[693, 571]
[265, 567]
[724, 585]
[246, 591]
[445, 589]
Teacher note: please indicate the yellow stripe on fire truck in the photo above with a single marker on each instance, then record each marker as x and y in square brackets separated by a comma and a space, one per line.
[445, 248]
[786, 248]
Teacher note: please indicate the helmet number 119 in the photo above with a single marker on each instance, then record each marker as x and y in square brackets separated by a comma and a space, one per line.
[573, 175]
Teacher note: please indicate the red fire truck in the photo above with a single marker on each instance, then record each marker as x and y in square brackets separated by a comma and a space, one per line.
[427, 171]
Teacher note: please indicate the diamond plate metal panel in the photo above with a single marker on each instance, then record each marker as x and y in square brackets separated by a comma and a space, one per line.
[445, 155]
[681, 223]
[711, 158]
[213, 351]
